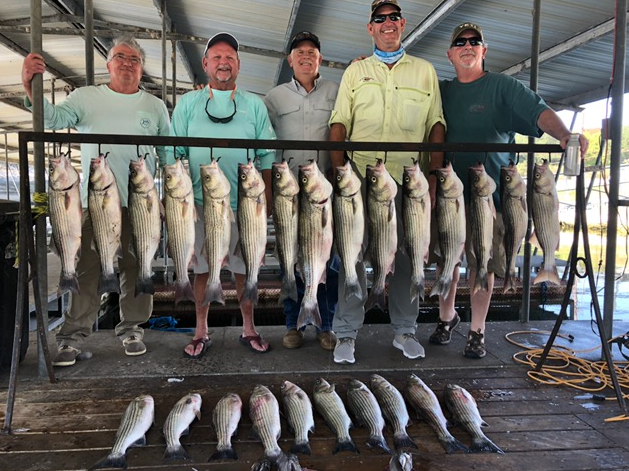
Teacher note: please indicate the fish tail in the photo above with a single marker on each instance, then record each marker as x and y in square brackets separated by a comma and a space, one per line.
[418, 289]
[213, 293]
[345, 445]
[442, 287]
[144, 286]
[183, 291]
[509, 283]
[547, 276]
[481, 281]
[451, 445]
[309, 314]
[289, 290]
[226, 454]
[375, 441]
[376, 299]
[352, 288]
[402, 440]
[250, 292]
[303, 448]
[484, 445]
[118, 460]
[68, 282]
[108, 284]
[176, 452]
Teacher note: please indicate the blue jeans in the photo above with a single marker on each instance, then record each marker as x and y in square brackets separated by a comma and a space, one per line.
[327, 297]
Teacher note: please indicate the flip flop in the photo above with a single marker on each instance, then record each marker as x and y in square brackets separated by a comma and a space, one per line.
[206, 341]
[246, 341]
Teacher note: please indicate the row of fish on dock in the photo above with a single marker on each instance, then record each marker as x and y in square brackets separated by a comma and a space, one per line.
[370, 407]
[309, 215]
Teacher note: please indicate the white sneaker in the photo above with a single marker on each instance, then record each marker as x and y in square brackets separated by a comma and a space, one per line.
[409, 345]
[344, 351]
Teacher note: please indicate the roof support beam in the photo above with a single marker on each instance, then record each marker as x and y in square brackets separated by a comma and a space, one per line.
[433, 19]
[574, 42]
[287, 37]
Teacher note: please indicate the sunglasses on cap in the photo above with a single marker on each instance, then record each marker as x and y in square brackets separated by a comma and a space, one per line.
[383, 18]
[460, 42]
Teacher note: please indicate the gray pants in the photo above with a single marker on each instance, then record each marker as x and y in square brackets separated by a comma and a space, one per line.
[350, 314]
[83, 309]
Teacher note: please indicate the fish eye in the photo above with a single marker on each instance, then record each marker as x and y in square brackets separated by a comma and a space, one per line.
[243, 176]
[442, 178]
[508, 178]
[374, 179]
[278, 175]
[304, 180]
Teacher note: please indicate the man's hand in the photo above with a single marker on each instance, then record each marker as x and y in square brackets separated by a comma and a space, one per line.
[33, 64]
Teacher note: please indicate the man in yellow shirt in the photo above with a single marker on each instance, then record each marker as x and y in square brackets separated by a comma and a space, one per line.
[388, 97]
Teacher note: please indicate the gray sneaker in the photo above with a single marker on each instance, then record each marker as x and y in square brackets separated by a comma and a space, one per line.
[133, 346]
[344, 350]
[409, 345]
[66, 356]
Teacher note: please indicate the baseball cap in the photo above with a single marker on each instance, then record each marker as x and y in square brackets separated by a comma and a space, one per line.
[464, 27]
[305, 36]
[379, 3]
[221, 38]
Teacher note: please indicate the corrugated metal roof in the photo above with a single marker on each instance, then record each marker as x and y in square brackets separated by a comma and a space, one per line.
[263, 26]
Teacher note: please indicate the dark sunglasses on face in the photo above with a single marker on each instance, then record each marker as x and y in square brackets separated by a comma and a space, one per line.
[460, 42]
[383, 18]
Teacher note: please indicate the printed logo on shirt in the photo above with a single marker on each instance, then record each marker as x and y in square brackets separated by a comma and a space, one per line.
[477, 108]
[145, 123]
[367, 79]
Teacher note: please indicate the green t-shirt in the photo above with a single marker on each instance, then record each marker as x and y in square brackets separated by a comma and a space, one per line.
[491, 109]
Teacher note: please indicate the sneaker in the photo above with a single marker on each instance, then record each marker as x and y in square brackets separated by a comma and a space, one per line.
[293, 338]
[344, 350]
[66, 356]
[443, 333]
[327, 340]
[475, 347]
[409, 345]
[133, 346]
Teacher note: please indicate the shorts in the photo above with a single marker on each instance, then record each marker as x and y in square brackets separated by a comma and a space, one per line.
[235, 263]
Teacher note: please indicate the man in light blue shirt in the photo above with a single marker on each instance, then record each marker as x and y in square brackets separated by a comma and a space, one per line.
[221, 110]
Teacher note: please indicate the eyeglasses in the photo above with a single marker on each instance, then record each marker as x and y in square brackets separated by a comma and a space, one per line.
[214, 119]
[122, 58]
[383, 18]
[460, 42]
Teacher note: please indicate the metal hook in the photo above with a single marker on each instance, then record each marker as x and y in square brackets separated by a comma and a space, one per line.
[146, 155]
[137, 149]
[517, 159]
[385, 157]
[105, 156]
[211, 153]
[99, 151]
[318, 150]
[486, 156]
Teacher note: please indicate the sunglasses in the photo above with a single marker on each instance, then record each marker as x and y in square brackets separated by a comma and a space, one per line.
[460, 42]
[214, 119]
[383, 18]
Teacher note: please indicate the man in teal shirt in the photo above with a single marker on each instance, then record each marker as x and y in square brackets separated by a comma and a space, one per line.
[486, 107]
[221, 110]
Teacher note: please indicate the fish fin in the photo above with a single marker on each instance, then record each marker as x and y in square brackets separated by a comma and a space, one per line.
[183, 291]
[111, 461]
[378, 442]
[108, 284]
[442, 287]
[176, 453]
[250, 292]
[484, 445]
[481, 283]
[288, 290]
[309, 314]
[213, 293]
[345, 445]
[376, 299]
[418, 289]
[227, 454]
[144, 286]
[68, 283]
[325, 217]
[139, 442]
[391, 215]
[547, 276]
[451, 445]
[303, 448]
[402, 440]
[353, 288]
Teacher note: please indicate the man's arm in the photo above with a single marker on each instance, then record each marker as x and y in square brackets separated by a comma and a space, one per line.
[549, 122]
[338, 133]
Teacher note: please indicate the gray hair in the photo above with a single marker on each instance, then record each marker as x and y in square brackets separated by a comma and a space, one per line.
[129, 41]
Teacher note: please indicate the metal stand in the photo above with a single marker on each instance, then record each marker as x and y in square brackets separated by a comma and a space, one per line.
[580, 225]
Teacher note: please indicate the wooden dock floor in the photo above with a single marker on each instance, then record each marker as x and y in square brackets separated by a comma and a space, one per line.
[70, 424]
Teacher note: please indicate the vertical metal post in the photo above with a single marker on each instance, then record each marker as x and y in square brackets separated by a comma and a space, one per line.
[618, 90]
[173, 58]
[530, 162]
[6, 160]
[164, 69]
[89, 42]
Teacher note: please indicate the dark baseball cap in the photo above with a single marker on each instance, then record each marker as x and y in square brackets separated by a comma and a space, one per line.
[221, 38]
[380, 3]
[305, 36]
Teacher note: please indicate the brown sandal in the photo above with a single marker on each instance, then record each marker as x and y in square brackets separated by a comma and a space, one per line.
[206, 341]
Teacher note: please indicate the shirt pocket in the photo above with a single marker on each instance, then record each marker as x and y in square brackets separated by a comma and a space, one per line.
[146, 123]
[285, 110]
[323, 110]
[413, 108]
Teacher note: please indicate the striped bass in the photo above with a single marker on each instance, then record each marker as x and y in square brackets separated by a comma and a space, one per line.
[349, 225]
[381, 213]
[66, 213]
[393, 409]
[426, 404]
[218, 217]
[285, 220]
[546, 220]
[515, 217]
[225, 420]
[465, 412]
[178, 423]
[251, 216]
[416, 211]
[145, 212]
[450, 212]
[103, 203]
[264, 412]
[180, 217]
[136, 420]
[365, 408]
[298, 410]
[481, 221]
[329, 404]
[315, 236]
